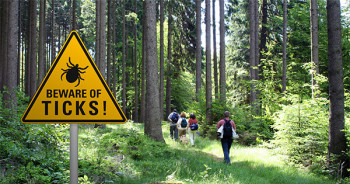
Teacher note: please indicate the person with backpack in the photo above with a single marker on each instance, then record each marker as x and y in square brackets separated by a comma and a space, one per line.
[182, 125]
[227, 139]
[193, 124]
[173, 118]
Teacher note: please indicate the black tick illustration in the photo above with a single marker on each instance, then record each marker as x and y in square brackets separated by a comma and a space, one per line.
[73, 72]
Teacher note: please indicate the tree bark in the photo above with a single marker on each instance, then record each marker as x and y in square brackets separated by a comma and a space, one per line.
[74, 19]
[143, 72]
[252, 51]
[109, 42]
[52, 32]
[216, 82]
[114, 80]
[337, 141]
[161, 64]
[168, 84]
[153, 126]
[41, 64]
[136, 118]
[284, 78]
[11, 52]
[222, 53]
[208, 63]
[198, 49]
[32, 47]
[124, 53]
[314, 43]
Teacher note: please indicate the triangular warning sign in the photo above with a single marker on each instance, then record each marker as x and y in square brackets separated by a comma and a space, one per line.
[73, 91]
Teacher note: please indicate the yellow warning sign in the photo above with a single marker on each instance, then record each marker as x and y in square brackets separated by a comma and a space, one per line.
[73, 91]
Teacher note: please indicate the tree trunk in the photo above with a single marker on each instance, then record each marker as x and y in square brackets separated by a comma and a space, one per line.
[109, 43]
[74, 19]
[168, 82]
[222, 53]
[252, 51]
[114, 81]
[153, 126]
[284, 78]
[101, 38]
[41, 64]
[208, 63]
[216, 83]
[136, 118]
[198, 48]
[337, 140]
[124, 53]
[161, 64]
[143, 72]
[19, 47]
[263, 34]
[52, 32]
[314, 43]
[32, 48]
[11, 52]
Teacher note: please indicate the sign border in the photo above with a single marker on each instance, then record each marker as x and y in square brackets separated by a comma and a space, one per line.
[82, 121]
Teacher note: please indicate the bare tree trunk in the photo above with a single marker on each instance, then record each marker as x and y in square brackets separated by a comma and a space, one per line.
[4, 47]
[53, 54]
[216, 82]
[19, 47]
[143, 72]
[284, 78]
[153, 126]
[168, 82]
[114, 81]
[11, 70]
[161, 64]
[124, 58]
[32, 48]
[41, 64]
[252, 52]
[222, 53]
[208, 63]
[109, 42]
[337, 141]
[136, 118]
[314, 43]
[101, 39]
[74, 19]
[263, 34]
[198, 49]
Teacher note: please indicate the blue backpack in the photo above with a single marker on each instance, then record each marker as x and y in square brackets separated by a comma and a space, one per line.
[183, 123]
[174, 117]
[194, 126]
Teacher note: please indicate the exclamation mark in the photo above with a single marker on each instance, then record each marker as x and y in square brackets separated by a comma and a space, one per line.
[104, 107]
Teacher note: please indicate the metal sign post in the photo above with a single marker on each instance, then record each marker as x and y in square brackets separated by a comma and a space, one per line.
[73, 153]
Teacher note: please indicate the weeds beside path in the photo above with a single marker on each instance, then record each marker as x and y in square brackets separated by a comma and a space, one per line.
[147, 161]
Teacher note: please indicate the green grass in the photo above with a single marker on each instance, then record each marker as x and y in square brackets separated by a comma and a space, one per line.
[122, 154]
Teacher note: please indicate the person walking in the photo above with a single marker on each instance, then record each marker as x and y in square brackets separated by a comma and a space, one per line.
[173, 118]
[182, 126]
[193, 124]
[226, 141]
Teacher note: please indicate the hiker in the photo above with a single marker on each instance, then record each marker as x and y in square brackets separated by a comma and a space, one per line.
[182, 125]
[226, 141]
[193, 124]
[173, 118]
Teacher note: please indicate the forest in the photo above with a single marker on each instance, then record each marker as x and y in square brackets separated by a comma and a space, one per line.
[280, 67]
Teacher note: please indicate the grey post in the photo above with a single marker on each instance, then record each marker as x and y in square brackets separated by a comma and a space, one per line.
[74, 153]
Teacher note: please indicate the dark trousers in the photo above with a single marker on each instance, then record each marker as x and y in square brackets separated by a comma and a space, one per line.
[174, 132]
[226, 145]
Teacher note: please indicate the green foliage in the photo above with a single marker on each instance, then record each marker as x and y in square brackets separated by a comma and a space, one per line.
[31, 153]
[302, 132]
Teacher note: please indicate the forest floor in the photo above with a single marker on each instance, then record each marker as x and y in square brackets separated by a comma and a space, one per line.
[122, 154]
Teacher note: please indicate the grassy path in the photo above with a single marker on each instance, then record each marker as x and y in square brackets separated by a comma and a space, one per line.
[145, 161]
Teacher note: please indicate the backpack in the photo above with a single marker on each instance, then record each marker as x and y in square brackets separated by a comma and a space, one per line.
[227, 129]
[183, 123]
[174, 117]
[194, 126]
